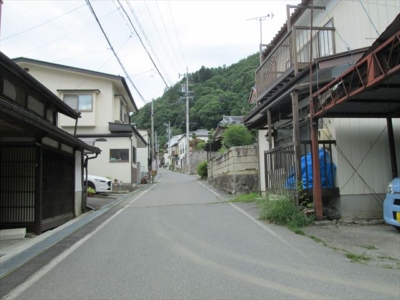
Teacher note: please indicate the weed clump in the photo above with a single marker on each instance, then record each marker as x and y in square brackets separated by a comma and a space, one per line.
[284, 211]
[202, 169]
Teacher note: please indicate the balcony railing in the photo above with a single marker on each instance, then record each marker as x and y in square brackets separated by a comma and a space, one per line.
[280, 166]
[288, 57]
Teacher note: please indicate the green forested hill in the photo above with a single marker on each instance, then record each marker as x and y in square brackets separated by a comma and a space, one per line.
[214, 92]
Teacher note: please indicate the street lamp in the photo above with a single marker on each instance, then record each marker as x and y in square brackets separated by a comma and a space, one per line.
[99, 140]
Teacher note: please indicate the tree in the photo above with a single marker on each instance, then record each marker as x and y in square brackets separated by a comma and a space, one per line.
[237, 135]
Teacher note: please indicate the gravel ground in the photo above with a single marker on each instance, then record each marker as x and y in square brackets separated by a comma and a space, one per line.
[370, 242]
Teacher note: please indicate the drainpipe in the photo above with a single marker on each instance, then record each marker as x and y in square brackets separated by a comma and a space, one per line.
[392, 149]
[76, 124]
[84, 204]
[132, 161]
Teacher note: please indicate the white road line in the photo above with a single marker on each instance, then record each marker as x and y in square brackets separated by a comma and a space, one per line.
[54, 262]
[215, 193]
[270, 231]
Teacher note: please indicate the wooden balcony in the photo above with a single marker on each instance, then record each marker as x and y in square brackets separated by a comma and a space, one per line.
[290, 57]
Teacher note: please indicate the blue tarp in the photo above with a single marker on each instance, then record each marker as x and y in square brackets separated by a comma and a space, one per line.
[326, 168]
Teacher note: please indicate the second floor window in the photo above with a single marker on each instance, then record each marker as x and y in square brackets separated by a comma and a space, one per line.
[83, 102]
[123, 115]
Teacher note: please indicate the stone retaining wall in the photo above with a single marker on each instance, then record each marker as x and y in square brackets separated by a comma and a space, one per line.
[236, 171]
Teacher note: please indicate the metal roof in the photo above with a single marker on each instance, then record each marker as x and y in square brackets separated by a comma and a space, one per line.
[80, 71]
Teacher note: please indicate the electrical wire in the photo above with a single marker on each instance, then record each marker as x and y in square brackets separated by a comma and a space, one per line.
[84, 54]
[34, 27]
[372, 23]
[158, 34]
[172, 47]
[337, 32]
[340, 151]
[149, 43]
[63, 37]
[176, 32]
[143, 44]
[115, 53]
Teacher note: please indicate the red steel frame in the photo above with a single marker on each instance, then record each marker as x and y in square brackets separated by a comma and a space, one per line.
[368, 72]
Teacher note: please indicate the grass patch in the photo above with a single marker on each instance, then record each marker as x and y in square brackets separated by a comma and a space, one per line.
[278, 209]
[318, 240]
[252, 197]
[284, 211]
[369, 247]
[297, 230]
[358, 258]
[386, 257]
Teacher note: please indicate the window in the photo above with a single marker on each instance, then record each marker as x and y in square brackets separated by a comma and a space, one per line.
[123, 115]
[119, 155]
[82, 102]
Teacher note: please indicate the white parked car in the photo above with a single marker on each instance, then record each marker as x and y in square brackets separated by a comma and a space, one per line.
[99, 184]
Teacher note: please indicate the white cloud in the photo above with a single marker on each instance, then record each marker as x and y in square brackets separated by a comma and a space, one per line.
[209, 33]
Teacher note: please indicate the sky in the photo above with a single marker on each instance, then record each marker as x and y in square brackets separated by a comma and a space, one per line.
[175, 36]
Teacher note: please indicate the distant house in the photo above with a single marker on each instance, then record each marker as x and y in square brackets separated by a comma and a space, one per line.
[175, 149]
[104, 103]
[201, 134]
[224, 123]
[342, 105]
[41, 165]
[171, 153]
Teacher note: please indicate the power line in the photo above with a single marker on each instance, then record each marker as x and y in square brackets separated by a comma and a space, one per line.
[34, 27]
[356, 169]
[148, 41]
[373, 25]
[166, 31]
[158, 34]
[143, 44]
[63, 37]
[112, 49]
[176, 32]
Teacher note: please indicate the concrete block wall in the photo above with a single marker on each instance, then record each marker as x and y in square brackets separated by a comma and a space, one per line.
[236, 171]
[235, 160]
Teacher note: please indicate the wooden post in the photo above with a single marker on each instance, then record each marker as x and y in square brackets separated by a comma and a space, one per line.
[38, 190]
[268, 165]
[296, 140]
[317, 193]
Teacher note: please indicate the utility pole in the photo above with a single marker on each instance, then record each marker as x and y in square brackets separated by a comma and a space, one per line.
[169, 136]
[271, 15]
[187, 120]
[152, 142]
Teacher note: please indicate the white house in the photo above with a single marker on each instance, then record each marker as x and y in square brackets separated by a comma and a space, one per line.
[182, 142]
[105, 104]
[356, 142]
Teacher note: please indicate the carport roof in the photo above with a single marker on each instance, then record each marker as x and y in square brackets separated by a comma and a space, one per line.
[371, 88]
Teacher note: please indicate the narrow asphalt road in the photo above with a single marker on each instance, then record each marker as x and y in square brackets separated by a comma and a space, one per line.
[180, 240]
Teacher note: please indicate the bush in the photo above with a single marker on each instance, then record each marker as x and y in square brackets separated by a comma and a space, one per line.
[200, 146]
[284, 211]
[202, 169]
[237, 135]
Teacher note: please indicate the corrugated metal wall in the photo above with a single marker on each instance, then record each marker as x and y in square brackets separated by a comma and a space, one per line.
[364, 142]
